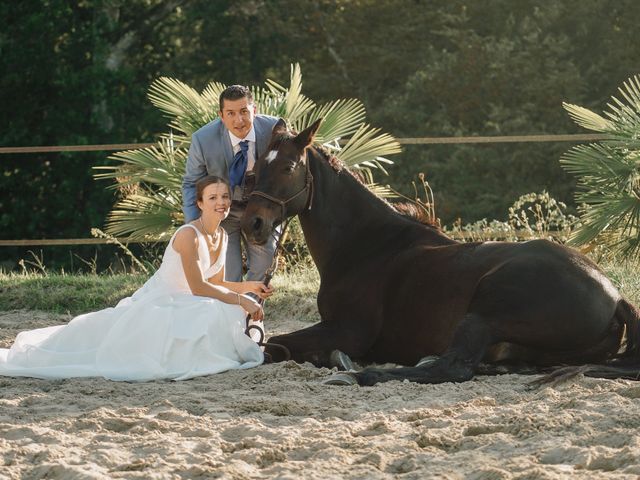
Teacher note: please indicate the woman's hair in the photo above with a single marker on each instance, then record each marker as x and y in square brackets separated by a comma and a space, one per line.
[204, 182]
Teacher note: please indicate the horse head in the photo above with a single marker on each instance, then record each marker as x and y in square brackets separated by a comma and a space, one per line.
[283, 182]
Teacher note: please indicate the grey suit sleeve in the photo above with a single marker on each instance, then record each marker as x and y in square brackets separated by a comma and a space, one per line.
[196, 169]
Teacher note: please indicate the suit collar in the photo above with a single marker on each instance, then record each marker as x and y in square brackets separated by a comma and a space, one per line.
[263, 135]
[225, 141]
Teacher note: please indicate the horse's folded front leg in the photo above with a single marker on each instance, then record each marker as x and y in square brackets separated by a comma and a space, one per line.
[318, 344]
[458, 364]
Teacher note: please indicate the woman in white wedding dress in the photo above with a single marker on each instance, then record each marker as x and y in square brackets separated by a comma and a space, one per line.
[185, 321]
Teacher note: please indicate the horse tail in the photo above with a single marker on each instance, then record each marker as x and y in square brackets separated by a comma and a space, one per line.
[629, 315]
[625, 364]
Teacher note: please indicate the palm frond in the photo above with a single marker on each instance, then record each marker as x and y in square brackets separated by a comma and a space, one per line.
[626, 116]
[211, 96]
[293, 104]
[176, 139]
[143, 216]
[267, 102]
[187, 109]
[341, 118]
[609, 174]
[587, 119]
[598, 165]
[367, 145]
[161, 165]
[382, 191]
[625, 119]
[613, 220]
[631, 92]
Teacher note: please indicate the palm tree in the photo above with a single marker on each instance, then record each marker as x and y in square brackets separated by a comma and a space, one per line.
[149, 180]
[609, 173]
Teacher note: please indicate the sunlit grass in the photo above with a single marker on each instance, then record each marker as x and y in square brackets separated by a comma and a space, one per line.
[79, 293]
[625, 276]
[65, 293]
[296, 290]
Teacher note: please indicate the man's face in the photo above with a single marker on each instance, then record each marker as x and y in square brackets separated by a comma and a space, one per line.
[237, 116]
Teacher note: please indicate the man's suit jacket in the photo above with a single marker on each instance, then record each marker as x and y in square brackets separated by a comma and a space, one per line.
[211, 153]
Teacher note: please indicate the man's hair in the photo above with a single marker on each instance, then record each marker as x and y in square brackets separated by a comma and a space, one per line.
[235, 92]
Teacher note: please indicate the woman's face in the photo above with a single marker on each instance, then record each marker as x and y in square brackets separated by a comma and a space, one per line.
[215, 201]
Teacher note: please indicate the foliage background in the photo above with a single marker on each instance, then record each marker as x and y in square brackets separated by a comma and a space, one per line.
[78, 73]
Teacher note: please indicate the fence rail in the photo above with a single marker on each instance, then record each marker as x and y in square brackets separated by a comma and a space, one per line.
[76, 148]
[68, 241]
[577, 137]
[464, 235]
[403, 141]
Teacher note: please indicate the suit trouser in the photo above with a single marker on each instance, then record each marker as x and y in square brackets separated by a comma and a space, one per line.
[259, 257]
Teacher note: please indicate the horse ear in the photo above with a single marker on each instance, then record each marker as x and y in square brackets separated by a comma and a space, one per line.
[280, 128]
[305, 137]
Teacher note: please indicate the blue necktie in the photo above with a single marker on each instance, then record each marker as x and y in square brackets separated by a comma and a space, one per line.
[239, 165]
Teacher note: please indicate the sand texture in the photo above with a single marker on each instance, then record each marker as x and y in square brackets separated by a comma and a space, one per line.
[279, 421]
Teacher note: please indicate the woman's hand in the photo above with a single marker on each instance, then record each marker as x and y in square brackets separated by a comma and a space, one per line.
[258, 288]
[252, 307]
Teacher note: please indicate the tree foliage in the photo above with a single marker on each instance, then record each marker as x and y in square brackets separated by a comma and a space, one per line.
[78, 73]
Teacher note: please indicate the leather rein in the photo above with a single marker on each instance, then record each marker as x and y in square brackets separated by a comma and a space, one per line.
[308, 187]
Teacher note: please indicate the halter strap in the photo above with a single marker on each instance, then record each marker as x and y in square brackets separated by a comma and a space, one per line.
[283, 203]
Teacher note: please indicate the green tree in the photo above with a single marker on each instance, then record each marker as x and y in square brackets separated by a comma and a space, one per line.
[72, 75]
[490, 68]
[78, 72]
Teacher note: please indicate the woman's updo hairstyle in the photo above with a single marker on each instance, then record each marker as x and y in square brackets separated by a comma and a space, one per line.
[204, 182]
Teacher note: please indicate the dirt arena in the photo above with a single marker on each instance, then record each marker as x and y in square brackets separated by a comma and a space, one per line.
[279, 421]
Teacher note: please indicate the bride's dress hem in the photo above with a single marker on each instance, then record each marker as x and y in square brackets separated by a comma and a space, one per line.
[161, 332]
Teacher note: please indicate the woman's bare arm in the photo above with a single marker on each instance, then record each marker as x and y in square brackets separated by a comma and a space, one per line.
[186, 244]
[257, 288]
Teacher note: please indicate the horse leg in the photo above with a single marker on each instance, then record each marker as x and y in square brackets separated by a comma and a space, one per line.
[318, 344]
[470, 342]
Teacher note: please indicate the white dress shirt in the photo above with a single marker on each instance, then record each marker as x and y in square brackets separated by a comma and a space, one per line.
[251, 154]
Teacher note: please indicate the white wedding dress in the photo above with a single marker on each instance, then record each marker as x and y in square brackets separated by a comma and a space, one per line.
[162, 331]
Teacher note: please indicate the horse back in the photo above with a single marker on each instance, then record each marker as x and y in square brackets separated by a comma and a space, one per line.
[535, 293]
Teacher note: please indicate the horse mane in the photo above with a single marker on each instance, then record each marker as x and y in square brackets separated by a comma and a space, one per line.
[335, 163]
[410, 210]
[414, 212]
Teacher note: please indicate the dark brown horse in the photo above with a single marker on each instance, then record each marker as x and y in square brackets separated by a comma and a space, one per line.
[395, 290]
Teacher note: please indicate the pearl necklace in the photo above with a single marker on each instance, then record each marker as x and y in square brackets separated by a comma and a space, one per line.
[214, 236]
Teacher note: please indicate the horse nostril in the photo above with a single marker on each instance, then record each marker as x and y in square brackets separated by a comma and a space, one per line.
[257, 224]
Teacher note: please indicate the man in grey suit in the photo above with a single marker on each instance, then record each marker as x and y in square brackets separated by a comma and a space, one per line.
[228, 147]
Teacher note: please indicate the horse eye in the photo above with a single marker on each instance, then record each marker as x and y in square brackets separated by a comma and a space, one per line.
[289, 168]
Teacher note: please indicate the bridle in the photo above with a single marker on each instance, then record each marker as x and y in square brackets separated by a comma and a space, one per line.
[308, 187]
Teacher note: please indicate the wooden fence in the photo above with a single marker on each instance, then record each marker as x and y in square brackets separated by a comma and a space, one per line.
[403, 141]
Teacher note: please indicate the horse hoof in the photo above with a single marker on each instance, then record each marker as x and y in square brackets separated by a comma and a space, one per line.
[424, 361]
[341, 378]
[342, 361]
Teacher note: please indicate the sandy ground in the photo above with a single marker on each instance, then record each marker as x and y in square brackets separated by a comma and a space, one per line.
[279, 421]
